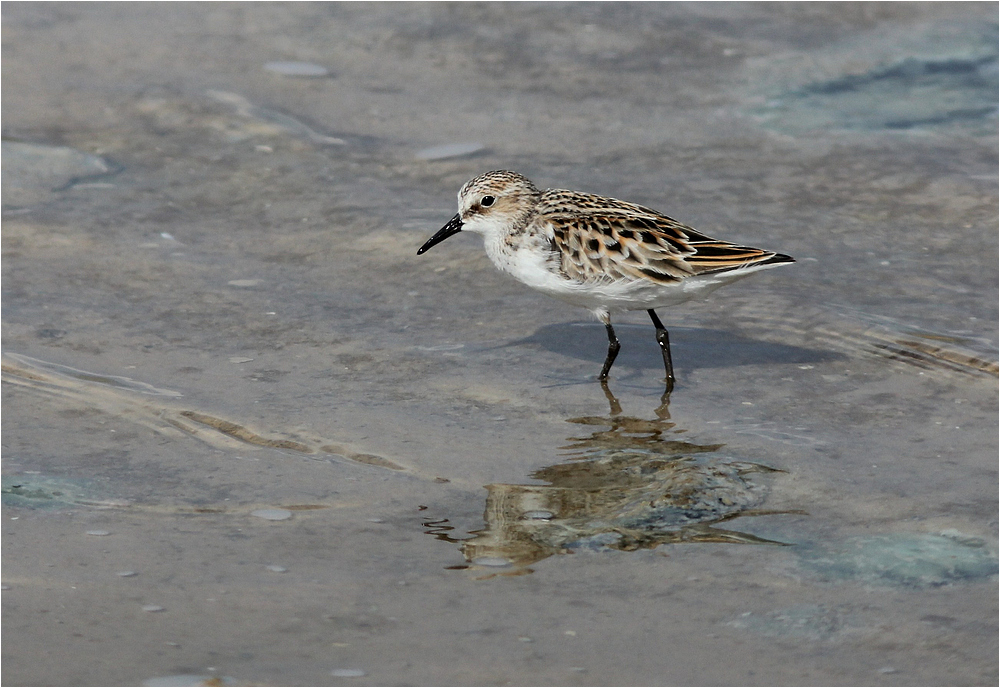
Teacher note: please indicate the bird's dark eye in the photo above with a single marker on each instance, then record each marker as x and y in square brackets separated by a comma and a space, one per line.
[487, 201]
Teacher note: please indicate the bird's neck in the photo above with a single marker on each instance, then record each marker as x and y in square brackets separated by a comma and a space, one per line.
[500, 248]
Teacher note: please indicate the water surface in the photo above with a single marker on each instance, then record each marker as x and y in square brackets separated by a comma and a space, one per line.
[320, 459]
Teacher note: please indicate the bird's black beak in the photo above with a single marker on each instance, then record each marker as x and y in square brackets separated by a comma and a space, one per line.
[454, 226]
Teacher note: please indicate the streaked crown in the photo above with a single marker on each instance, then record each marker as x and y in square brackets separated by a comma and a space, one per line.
[497, 182]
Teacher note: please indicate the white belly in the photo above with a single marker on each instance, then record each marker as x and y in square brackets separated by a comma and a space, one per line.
[531, 268]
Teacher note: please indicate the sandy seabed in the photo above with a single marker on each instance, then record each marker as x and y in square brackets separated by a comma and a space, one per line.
[250, 438]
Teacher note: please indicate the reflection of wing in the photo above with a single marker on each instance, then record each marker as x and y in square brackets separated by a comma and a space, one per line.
[602, 239]
[706, 533]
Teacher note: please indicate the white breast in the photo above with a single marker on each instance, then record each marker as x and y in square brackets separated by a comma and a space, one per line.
[532, 266]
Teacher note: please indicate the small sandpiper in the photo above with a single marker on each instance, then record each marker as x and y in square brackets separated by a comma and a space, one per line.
[606, 255]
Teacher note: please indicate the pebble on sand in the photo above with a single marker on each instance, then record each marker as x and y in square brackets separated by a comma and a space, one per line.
[449, 150]
[152, 608]
[347, 673]
[98, 532]
[190, 680]
[272, 514]
[300, 69]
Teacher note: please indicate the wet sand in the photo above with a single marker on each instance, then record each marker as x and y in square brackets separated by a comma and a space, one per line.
[250, 438]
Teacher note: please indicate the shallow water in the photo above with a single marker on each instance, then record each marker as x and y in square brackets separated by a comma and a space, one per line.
[319, 459]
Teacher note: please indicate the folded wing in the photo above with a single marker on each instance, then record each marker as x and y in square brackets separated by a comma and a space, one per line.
[603, 239]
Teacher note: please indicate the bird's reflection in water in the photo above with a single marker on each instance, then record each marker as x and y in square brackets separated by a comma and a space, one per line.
[630, 484]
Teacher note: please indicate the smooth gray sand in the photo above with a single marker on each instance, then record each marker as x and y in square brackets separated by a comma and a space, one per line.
[317, 459]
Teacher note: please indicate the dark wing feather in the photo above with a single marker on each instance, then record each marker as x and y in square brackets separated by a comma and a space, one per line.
[604, 239]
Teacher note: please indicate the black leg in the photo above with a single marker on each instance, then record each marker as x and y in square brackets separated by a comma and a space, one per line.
[663, 339]
[613, 346]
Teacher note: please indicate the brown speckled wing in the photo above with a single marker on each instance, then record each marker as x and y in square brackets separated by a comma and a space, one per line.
[602, 239]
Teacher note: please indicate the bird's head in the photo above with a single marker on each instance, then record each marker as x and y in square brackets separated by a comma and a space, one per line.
[492, 203]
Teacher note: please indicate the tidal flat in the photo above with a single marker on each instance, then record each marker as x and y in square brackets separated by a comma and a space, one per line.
[251, 438]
